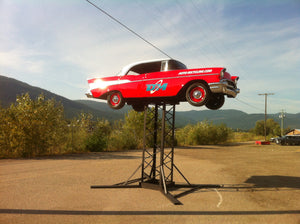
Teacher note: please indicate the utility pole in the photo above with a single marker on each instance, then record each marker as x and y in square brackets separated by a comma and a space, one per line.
[282, 116]
[265, 126]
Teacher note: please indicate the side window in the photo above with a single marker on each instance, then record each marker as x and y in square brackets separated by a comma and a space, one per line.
[171, 65]
[145, 68]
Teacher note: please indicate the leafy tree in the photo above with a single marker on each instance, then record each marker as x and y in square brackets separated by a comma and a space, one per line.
[129, 134]
[32, 127]
[272, 128]
[97, 141]
[121, 140]
[134, 124]
[183, 135]
[78, 130]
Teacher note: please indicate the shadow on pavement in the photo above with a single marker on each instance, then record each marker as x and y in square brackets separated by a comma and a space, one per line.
[274, 181]
[87, 156]
[86, 212]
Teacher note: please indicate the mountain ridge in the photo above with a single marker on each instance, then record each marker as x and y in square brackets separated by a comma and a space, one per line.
[236, 119]
[10, 88]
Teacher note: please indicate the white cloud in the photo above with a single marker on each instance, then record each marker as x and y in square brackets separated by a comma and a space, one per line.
[66, 43]
[22, 60]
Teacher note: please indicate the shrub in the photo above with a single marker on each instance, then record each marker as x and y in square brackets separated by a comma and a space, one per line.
[122, 140]
[203, 133]
[97, 141]
[77, 133]
[32, 127]
[129, 134]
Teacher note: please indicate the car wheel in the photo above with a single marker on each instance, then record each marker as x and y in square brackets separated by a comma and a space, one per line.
[115, 100]
[215, 102]
[197, 94]
[138, 107]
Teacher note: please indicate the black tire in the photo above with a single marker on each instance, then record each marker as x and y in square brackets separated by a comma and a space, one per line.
[215, 102]
[197, 94]
[138, 107]
[115, 100]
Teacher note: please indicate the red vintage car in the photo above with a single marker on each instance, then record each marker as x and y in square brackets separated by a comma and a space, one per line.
[164, 80]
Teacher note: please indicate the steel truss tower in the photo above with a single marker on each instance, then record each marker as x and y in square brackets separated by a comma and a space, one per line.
[157, 167]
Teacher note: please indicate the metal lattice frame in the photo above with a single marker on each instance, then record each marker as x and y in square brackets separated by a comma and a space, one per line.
[157, 167]
[157, 162]
[150, 169]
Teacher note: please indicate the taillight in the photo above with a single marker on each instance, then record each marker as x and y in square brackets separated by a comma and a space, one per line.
[222, 73]
[235, 79]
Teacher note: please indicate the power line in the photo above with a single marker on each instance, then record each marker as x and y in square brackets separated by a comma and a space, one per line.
[154, 16]
[250, 105]
[205, 51]
[132, 31]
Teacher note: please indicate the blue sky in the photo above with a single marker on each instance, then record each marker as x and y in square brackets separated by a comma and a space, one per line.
[58, 44]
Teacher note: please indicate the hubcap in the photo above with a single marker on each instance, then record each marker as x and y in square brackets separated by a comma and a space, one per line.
[197, 94]
[115, 99]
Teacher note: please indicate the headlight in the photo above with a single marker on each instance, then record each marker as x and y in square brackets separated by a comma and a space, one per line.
[101, 84]
[98, 83]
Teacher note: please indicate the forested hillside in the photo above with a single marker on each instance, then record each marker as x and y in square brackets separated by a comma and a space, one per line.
[10, 88]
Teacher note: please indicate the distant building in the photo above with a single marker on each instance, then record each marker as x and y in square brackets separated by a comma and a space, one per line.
[294, 132]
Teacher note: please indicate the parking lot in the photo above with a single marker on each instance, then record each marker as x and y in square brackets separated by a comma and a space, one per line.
[261, 184]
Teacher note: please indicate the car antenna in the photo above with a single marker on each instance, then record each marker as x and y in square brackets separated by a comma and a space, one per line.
[132, 31]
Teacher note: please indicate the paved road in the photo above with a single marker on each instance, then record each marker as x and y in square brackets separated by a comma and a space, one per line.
[261, 185]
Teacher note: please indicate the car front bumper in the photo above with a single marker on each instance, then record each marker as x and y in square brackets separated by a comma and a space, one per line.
[225, 87]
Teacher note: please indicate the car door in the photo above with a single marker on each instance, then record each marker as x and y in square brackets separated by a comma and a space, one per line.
[132, 85]
[162, 84]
